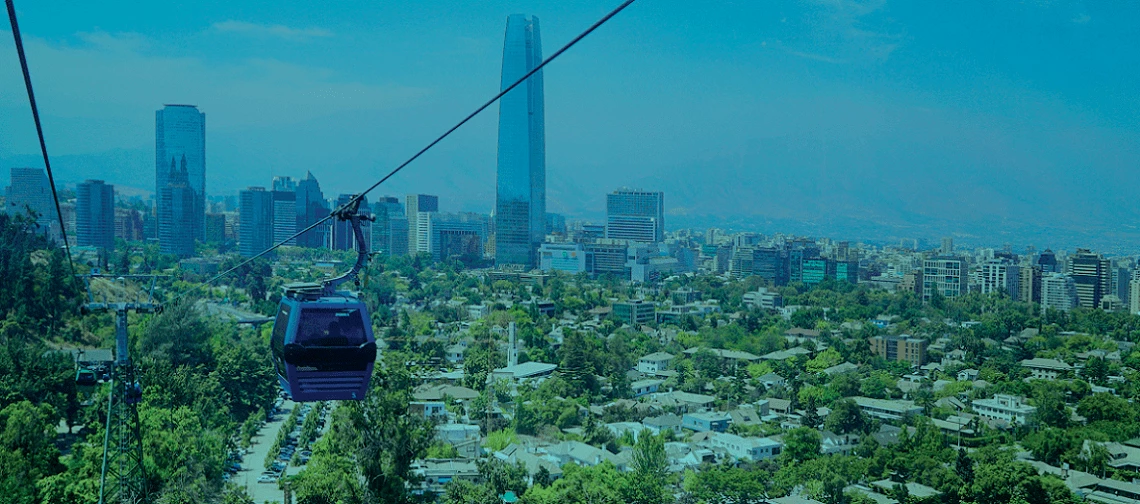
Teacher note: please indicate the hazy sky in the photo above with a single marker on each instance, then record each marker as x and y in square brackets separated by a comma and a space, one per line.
[970, 113]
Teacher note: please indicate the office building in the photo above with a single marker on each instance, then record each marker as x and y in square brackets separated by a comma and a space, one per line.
[944, 275]
[215, 228]
[458, 236]
[30, 191]
[555, 224]
[1092, 274]
[520, 193]
[771, 264]
[947, 247]
[1121, 284]
[177, 204]
[1048, 262]
[95, 215]
[284, 211]
[900, 348]
[180, 137]
[565, 257]
[1030, 284]
[1001, 276]
[311, 207]
[607, 257]
[390, 229]
[633, 312]
[128, 224]
[417, 227]
[1058, 291]
[636, 216]
[1134, 296]
[256, 221]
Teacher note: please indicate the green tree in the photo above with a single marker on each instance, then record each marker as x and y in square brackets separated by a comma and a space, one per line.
[800, 444]
[846, 417]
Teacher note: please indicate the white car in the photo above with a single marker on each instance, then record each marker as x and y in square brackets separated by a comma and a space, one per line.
[266, 478]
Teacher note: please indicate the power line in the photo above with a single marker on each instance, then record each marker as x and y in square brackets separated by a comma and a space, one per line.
[438, 139]
[39, 127]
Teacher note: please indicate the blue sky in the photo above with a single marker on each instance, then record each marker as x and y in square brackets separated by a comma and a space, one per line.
[924, 117]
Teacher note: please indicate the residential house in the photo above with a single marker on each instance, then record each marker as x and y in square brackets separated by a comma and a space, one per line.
[772, 380]
[728, 355]
[750, 449]
[654, 363]
[662, 423]
[427, 409]
[1012, 409]
[581, 453]
[465, 438]
[968, 375]
[707, 421]
[645, 387]
[437, 473]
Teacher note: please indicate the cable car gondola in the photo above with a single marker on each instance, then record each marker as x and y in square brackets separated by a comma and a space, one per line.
[323, 346]
[85, 377]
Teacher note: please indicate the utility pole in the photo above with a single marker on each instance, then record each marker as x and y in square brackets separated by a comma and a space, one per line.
[123, 478]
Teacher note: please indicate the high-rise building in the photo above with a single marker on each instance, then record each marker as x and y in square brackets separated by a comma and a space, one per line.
[417, 226]
[30, 191]
[635, 215]
[215, 228]
[284, 210]
[1048, 262]
[555, 223]
[1121, 284]
[343, 237]
[1030, 284]
[95, 215]
[520, 197]
[419, 206]
[1001, 276]
[1134, 296]
[311, 207]
[945, 275]
[128, 224]
[390, 229]
[256, 221]
[1058, 291]
[947, 247]
[460, 236]
[1092, 274]
[177, 203]
[180, 137]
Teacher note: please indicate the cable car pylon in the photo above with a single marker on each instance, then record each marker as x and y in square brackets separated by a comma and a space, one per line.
[123, 477]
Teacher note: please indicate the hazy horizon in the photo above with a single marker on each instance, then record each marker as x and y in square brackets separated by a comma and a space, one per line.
[1010, 123]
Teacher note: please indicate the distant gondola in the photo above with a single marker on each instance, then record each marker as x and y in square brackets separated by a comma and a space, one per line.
[322, 343]
[86, 378]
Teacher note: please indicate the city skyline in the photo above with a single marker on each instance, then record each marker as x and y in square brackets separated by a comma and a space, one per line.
[889, 133]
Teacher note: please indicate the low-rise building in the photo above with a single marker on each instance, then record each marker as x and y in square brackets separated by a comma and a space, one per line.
[1049, 369]
[706, 421]
[749, 449]
[427, 409]
[634, 312]
[1012, 409]
[654, 362]
[437, 473]
[645, 387]
[886, 409]
[524, 371]
[900, 348]
[763, 299]
[465, 438]
[662, 423]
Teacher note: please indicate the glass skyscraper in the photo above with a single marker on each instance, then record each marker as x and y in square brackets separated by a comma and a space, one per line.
[180, 137]
[520, 202]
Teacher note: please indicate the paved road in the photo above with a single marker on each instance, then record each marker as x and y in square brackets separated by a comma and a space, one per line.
[254, 462]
